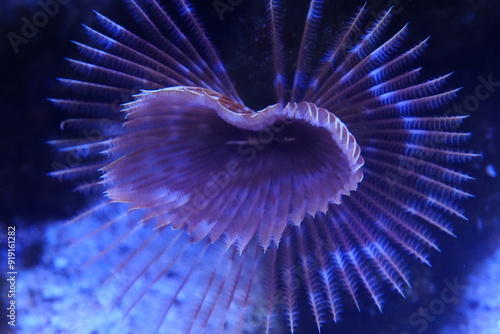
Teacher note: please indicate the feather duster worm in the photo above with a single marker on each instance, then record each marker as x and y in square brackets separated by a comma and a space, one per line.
[324, 191]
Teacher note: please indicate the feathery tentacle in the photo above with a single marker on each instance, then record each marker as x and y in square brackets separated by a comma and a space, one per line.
[326, 192]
